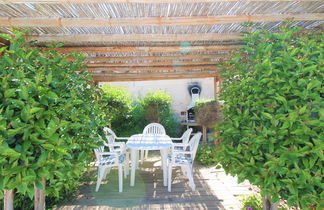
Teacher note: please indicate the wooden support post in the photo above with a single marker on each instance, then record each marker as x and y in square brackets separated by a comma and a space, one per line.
[39, 197]
[204, 130]
[215, 87]
[8, 199]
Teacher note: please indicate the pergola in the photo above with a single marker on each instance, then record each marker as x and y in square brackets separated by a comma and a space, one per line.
[131, 40]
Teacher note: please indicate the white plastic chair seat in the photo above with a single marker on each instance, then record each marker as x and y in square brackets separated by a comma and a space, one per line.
[111, 160]
[180, 159]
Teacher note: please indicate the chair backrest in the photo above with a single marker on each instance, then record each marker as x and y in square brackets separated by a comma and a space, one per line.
[154, 128]
[110, 135]
[193, 143]
[186, 136]
[97, 151]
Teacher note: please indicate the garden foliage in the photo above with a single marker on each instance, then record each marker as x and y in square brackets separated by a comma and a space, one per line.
[119, 105]
[129, 117]
[48, 117]
[207, 153]
[272, 134]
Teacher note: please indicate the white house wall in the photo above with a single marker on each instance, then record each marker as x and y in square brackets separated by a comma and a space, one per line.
[178, 89]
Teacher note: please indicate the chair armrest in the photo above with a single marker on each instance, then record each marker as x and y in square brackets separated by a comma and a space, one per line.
[179, 145]
[122, 138]
[107, 153]
[176, 139]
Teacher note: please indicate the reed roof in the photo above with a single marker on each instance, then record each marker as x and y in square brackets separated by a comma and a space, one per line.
[152, 39]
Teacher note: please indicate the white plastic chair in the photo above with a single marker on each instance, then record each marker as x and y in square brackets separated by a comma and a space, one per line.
[152, 128]
[112, 137]
[115, 146]
[184, 139]
[184, 159]
[107, 160]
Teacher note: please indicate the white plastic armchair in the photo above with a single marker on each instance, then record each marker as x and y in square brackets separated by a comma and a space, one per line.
[107, 160]
[152, 128]
[111, 137]
[184, 139]
[184, 159]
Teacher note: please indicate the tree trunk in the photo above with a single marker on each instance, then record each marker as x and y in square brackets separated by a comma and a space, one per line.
[8, 199]
[267, 204]
[39, 197]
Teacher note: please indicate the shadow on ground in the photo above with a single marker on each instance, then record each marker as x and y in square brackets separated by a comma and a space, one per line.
[148, 192]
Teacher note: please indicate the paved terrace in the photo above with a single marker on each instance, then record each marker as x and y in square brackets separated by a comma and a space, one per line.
[214, 190]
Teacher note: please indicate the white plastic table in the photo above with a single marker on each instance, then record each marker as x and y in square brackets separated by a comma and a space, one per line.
[149, 142]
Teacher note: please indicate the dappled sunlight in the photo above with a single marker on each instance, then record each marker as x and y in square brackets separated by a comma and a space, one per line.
[148, 191]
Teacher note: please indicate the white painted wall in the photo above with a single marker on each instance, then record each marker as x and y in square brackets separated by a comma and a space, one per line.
[178, 89]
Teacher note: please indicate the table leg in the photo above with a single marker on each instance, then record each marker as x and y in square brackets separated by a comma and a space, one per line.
[164, 156]
[133, 160]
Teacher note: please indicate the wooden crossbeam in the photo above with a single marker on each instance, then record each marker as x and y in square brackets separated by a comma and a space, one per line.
[133, 59]
[154, 68]
[128, 1]
[181, 49]
[90, 38]
[152, 76]
[152, 21]
[165, 63]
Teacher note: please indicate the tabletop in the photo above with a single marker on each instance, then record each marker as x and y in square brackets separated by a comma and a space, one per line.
[149, 142]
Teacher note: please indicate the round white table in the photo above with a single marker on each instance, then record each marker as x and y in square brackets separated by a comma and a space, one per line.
[139, 142]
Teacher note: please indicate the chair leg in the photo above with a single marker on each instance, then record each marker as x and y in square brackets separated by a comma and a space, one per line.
[137, 158]
[126, 166]
[169, 177]
[146, 154]
[107, 171]
[190, 177]
[101, 171]
[142, 156]
[120, 177]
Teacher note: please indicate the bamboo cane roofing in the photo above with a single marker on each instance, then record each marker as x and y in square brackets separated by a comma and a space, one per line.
[152, 39]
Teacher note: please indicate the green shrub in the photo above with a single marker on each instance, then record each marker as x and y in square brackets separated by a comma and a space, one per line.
[272, 133]
[252, 202]
[119, 105]
[208, 112]
[48, 117]
[157, 108]
[129, 117]
[206, 153]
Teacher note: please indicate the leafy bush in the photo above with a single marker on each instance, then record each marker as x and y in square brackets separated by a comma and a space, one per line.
[129, 117]
[119, 105]
[272, 133]
[157, 108]
[48, 117]
[252, 202]
[206, 153]
[208, 112]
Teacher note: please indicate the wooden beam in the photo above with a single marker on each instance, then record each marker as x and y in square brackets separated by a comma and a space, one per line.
[180, 49]
[153, 76]
[155, 68]
[80, 38]
[165, 63]
[154, 58]
[107, 79]
[129, 1]
[152, 21]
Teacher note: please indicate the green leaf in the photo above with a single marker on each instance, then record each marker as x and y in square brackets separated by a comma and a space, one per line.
[49, 77]
[52, 95]
[10, 153]
[36, 109]
[266, 115]
[9, 93]
[313, 84]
